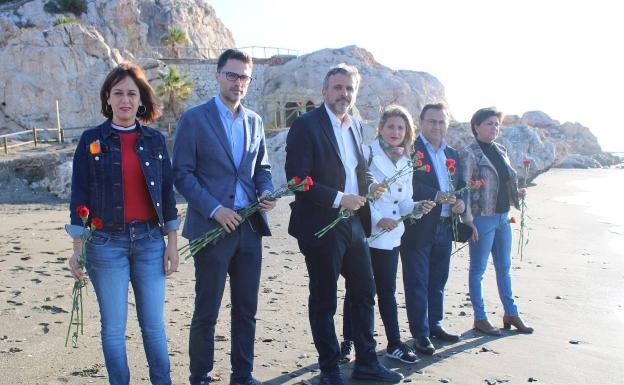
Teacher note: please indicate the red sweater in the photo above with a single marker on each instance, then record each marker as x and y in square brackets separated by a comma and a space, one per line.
[137, 201]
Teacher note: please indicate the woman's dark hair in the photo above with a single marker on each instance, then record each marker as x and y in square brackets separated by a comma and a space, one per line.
[148, 98]
[482, 115]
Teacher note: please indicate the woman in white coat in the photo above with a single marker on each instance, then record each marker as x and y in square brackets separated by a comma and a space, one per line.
[387, 154]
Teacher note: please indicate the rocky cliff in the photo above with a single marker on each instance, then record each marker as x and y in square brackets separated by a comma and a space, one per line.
[41, 62]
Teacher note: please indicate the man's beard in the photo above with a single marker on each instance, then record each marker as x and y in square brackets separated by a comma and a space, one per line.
[340, 108]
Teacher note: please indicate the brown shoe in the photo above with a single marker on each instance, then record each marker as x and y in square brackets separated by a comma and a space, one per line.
[516, 321]
[486, 327]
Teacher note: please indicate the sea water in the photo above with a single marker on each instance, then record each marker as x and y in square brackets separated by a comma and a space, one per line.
[600, 192]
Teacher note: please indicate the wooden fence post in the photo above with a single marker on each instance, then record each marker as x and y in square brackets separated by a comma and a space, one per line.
[58, 123]
[34, 132]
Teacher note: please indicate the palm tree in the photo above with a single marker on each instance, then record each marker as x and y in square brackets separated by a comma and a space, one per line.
[174, 38]
[174, 87]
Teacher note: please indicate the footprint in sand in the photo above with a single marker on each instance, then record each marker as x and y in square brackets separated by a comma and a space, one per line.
[53, 309]
[44, 327]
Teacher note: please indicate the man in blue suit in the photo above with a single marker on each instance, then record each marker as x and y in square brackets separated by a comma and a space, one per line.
[220, 165]
[427, 242]
[325, 144]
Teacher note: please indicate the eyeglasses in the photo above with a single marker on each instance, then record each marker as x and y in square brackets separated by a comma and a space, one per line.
[233, 76]
[433, 122]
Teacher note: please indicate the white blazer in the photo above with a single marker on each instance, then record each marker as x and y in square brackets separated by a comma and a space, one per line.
[396, 202]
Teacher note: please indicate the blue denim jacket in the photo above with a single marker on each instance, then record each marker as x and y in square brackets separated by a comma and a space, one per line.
[97, 181]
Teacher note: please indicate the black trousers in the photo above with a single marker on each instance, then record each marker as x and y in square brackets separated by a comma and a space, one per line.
[344, 252]
[238, 255]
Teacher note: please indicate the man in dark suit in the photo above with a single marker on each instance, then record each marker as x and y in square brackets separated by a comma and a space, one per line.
[220, 165]
[427, 242]
[326, 144]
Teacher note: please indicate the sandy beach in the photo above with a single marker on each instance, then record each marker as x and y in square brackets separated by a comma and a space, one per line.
[570, 287]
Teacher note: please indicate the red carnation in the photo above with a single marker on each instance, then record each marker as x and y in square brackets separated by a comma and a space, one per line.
[472, 182]
[97, 223]
[451, 169]
[419, 163]
[526, 162]
[82, 211]
[295, 180]
[309, 182]
[450, 163]
[512, 220]
[427, 168]
[420, 154]
[482, 181]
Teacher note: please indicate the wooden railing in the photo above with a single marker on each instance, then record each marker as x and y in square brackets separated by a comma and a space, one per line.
[8, 141]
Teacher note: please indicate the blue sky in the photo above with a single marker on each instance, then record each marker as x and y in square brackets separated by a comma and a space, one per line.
[563, 58]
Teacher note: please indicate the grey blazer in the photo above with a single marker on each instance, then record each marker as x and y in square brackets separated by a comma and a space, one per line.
[476, 165]
[204, 171]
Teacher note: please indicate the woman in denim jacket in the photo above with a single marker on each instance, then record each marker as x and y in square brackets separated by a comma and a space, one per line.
[487, 212]
[122, 173]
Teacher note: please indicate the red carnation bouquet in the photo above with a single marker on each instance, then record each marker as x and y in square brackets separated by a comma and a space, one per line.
[214, 235]
[76, 317]
[414, 164]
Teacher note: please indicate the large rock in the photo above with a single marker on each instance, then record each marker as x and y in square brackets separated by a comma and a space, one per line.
[276, 147]
[207, 34]
[522, 143]
[579, 139]
[58, 181]
[538, 119]
[579, 161]
[66, 62]
[299, 81]
[134, 27]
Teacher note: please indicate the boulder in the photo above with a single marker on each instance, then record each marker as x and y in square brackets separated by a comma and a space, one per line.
[299, 82]
[524, 143]
[67, 62]
[276, 147]
[537, 119]
[58, 181]
[521, 141]
[578, 161]
[607, 159]
[579, 139]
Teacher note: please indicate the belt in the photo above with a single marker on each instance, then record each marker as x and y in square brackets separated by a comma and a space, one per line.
[444, 220]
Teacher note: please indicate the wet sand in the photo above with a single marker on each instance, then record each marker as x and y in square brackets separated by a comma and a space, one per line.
[570, 287]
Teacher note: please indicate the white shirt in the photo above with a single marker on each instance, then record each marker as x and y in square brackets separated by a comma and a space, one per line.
[348, 154]
[396, 202]
[438, 161]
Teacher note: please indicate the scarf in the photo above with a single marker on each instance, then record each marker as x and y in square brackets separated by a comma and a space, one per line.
[394, 153]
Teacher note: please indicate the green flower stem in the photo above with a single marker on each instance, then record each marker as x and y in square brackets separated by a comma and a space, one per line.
[410, 167]
[213, 236]
[76, 317]
[523, 236]
[403, 218]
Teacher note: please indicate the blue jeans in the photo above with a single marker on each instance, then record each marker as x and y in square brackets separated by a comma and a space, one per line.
[114, 259]
[425, 272]
[494, 236]
[385, 264]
